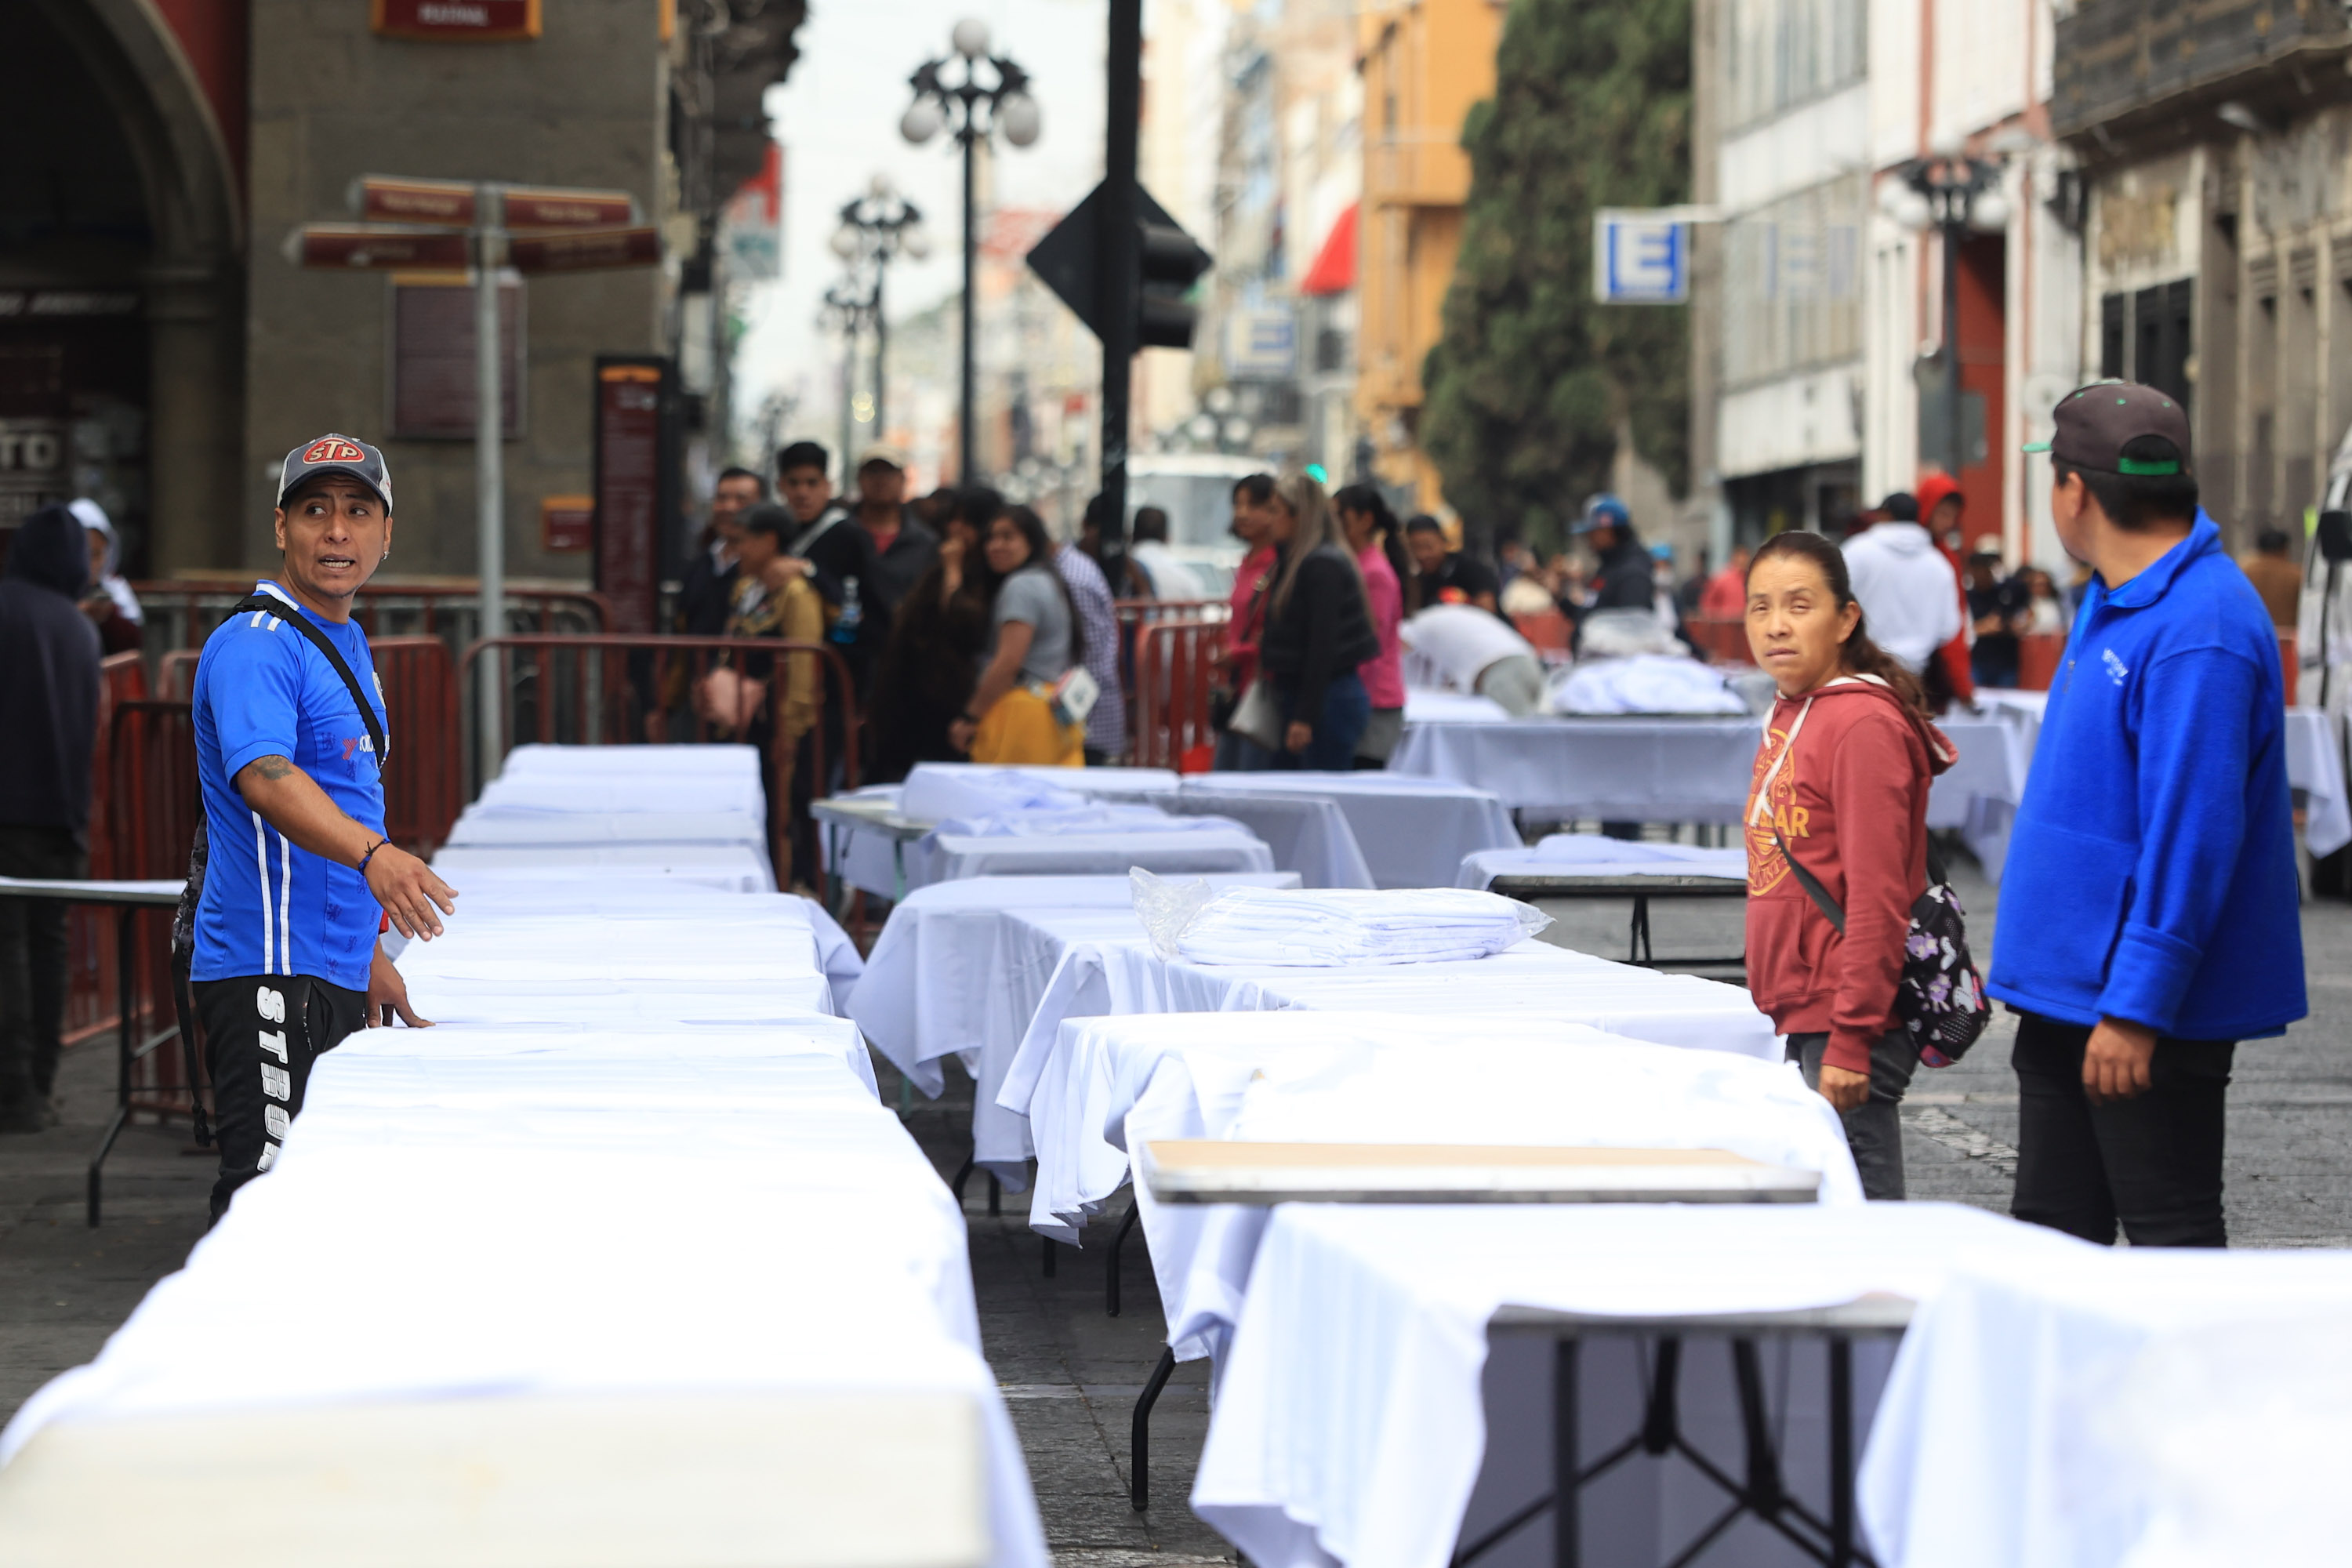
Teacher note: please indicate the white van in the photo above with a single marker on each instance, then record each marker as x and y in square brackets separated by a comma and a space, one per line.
[1196, 490]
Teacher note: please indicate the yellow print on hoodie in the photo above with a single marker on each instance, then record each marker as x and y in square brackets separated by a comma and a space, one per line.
[1766, 865]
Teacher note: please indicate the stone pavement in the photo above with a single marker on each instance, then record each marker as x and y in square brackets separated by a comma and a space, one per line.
[1071, 1374]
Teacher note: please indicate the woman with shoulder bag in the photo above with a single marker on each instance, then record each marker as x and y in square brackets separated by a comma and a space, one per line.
[1837, 844]
[1014, 717]
[1309, 706]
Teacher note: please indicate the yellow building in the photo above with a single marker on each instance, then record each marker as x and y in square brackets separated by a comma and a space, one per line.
[1424, 63]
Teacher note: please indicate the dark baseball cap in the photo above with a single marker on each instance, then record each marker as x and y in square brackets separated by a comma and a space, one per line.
[2096, 422]
[333, 453]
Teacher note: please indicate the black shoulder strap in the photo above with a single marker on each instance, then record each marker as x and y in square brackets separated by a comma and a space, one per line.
[272, 605]
[1813, 888]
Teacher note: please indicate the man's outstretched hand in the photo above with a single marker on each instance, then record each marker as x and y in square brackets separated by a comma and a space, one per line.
[388, 993]
[410, 892]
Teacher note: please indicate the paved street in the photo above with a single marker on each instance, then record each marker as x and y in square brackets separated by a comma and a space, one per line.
[1070, 1372]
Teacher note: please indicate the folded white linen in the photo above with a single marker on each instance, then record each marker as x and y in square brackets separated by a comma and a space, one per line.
[1643, 683]
[536, 760]
[1086, 817]
[1320, 927]
[1598, 849]
[935, 794]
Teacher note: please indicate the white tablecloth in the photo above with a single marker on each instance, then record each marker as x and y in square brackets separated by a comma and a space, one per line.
[697, 790]
[1305, 834]
[493, 827]
[1113, 1083]
[1428, 705]
[1414, 832]
[1101, 964]
[1349, 1424]
[735, 867]
[1149, 785]
[1979, 792]
[671, 762]
[1610, 770]
[442, 1224]
[2143, 1407]
[1589, 855]
[555, 947]
[2315, 762]
[951, 975]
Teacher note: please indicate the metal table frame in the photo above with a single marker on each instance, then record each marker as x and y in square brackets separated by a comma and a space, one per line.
[1760, 1493]
[127, 898]
[842, 815]
[1641, 889]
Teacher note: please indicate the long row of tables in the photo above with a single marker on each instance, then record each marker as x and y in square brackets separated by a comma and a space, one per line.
[621, 1263]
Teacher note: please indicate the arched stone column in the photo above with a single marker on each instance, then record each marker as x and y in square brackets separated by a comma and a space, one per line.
[194, 282]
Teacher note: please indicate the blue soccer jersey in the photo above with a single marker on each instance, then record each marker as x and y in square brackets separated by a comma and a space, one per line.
[270, 908]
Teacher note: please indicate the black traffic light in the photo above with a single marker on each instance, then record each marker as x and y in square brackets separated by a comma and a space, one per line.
[1169, 262]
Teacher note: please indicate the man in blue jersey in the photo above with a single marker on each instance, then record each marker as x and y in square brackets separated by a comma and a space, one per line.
[297, 873]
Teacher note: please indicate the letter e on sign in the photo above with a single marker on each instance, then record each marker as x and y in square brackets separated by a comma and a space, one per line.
[1640, 258]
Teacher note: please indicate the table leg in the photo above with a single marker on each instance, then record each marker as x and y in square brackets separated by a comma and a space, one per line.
[125, 932]
[1841, 1451]
[1139, 1480]
[1567, 1520]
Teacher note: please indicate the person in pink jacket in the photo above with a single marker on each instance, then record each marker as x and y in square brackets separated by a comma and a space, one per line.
[1374, 535]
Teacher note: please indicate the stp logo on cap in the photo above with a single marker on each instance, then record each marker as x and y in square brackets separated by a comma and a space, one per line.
[333, 449]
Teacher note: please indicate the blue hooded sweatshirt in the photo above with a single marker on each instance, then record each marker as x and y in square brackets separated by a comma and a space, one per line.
[2151, 877]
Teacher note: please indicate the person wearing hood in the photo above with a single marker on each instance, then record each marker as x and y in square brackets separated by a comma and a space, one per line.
[1623, 580]
[2150, 913]
[1904, 584]
[48, 722]
[111, 604]
[1841, 784]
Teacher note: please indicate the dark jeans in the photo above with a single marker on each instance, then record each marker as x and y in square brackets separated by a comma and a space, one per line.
[1346, 711]
[1874, 1129]
[1237, 753]
[32, 977]
[262, 1033]
[2153, 1162]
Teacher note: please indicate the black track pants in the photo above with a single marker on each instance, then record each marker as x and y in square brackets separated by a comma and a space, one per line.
[261, 1035]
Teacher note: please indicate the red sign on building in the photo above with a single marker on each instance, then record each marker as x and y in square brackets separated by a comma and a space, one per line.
[464, 21]
[326, 244]
[633, 441]
[590, 250]
[531, 207]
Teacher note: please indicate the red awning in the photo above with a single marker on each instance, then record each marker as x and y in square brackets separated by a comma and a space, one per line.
[1334, 271]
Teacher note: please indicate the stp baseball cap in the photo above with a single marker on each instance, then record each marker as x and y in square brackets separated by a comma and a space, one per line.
[2096, 422]
[336, 454]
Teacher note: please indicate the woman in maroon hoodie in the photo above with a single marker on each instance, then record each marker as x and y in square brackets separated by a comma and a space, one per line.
[1841, 783]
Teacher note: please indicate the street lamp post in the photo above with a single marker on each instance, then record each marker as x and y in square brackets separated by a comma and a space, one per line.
[974, 111]
[1955, 194]
[875, 227]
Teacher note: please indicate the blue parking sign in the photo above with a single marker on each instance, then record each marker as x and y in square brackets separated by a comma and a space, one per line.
[1641, 258]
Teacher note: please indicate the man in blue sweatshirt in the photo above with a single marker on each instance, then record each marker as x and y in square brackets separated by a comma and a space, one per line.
[2148, 911]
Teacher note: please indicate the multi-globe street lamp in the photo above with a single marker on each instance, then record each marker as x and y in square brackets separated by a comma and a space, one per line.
[992, 94]
[1957, 196]
[875, 229]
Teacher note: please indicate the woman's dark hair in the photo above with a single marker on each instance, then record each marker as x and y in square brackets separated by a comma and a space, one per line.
[978, 506]
[2134, 502]
[1041, 554]
[1368, 500]
[1258, 487]
[1860, 656]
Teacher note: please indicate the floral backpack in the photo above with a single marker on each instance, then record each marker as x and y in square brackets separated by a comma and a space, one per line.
[1940, 997]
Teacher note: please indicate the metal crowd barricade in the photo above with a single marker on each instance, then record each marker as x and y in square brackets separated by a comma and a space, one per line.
[182, 612]
[1175, 677]
[90, 990]
[600, 690]
[153, 806]
[420, 779]
[1134, 617]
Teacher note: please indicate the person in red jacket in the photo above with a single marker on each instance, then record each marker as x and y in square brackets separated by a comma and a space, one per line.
[1940, 502]
[1841, 783]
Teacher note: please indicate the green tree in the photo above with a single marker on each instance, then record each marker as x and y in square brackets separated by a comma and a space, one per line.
[1531, 380]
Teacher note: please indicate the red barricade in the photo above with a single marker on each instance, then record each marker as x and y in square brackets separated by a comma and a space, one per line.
[1719, 642]
[91, 1005]
[1134, 616]
[599, 691]
[420, 779]
[182, 611]
[1175, 674]
[153, 808]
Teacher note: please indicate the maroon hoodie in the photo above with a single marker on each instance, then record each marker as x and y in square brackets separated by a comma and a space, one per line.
[1851, 800]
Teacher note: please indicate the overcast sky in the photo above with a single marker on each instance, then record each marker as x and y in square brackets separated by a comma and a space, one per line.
[837, 117]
